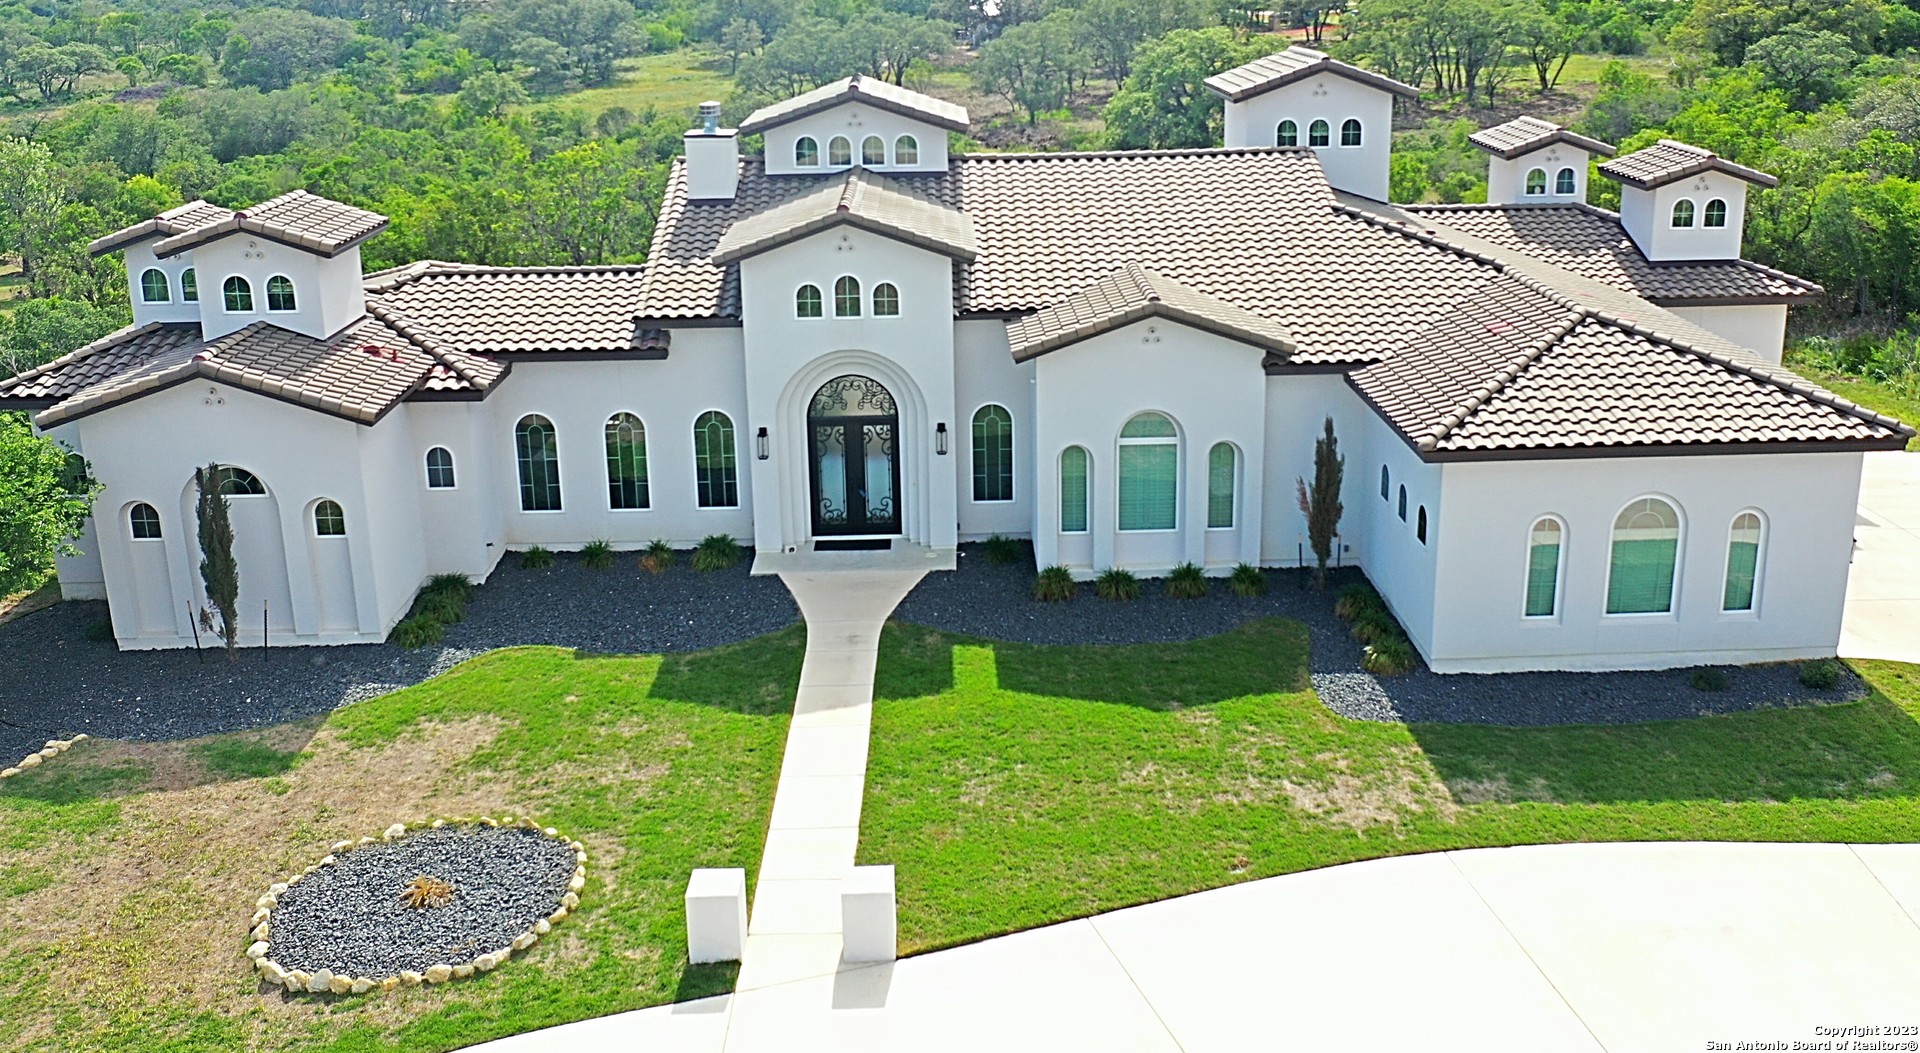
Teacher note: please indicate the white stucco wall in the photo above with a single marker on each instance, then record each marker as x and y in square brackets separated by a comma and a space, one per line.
[856, 121]
[984, 373]
[1507, 179]
[462, 525]
[1297, 406]
[80, 574]
[1402, 567]
[1212, 389]
[1806, 500]
[328, 293]
[176, 308]
[1647, 216]
[1359, 169]
[1759, 327]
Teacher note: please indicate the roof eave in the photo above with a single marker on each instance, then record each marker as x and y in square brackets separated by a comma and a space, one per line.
[1373, 80]
[1153, 309]
[964, 253]
[1716, 449]
[753, 126]
[192, 239]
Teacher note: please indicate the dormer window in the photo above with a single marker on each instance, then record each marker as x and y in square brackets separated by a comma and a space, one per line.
[873, 151]
[1563, 182]
[1716, 213]
[1288, 134]
[806, 152]
[153, 286]
[840, 151]
[280, 293]
[1683, 213]
[237, 294]
[189, 286]
[1536, 182]
[1350, 133]
[906, 150]
[1319, 133]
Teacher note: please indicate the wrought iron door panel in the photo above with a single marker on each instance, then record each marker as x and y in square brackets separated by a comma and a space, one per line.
[853, 430]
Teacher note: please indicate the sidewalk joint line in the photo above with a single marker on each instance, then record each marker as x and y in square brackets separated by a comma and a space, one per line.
[1092, 923]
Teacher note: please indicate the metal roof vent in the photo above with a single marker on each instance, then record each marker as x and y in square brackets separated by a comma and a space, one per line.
[710, 117]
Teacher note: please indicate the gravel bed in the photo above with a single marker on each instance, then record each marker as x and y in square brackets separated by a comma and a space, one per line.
[348, 917]
[996, 601]
[62, 683]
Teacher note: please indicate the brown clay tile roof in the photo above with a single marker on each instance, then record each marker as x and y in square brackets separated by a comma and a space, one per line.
[518, 310]
[1129, 295]
[1295, 63]
[1526, 134]
[876, 93]
[173, 221]
[296, 218]
[84, 367]
[1590, 241]
[857, 198]
[1669, 161]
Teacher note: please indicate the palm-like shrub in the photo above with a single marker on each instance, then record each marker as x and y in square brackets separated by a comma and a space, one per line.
[1001, 550]
[1388, 657]
[1054, 585]
[1373, 626]
[418, 631]
[1356, 600]
[597, 555]
[716, 552]
[1248, 580]
[658, 556]
[1187, 582]
[539, 557]
[1116, 584]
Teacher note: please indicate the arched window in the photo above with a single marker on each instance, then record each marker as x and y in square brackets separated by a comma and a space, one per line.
[1350, 132]
[539, 456]
[1536, 181]
[1646, 549]
[153, 286]
[145, 521]
[906, 150]
[1287, 134]
[1743, 561]
[280, 293]
[839, 151]
[992, 454]
[229, 481]
[439, 469]
[1403, 502]
[1420, 525]
[886, 299]
[1319, 133]
[1683, 213]
[873, 151]
[1149, 473]
[1543, 568]
[189, 286]
[626, 462]
[846, 297]
[1386, 483]
[237, 294]
[1073, 490]
[806, 302]
[1221, 470]
[1716, 214]
[716, 473]
[329, 520]
[1563, 182]
[806, 152]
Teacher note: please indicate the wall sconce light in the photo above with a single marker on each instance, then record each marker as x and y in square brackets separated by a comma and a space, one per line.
[760, 443]
[940, 438]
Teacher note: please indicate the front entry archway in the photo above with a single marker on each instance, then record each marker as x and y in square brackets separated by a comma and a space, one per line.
[853, 458]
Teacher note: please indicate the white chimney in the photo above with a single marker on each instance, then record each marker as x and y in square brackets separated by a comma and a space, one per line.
[713, 158]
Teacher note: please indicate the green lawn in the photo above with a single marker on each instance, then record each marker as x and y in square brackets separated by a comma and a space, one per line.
[128, 871]
[1015, 785]
[671, 82]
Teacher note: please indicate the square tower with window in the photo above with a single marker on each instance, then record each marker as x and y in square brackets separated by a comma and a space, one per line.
[1536, 162]
[1679, 202]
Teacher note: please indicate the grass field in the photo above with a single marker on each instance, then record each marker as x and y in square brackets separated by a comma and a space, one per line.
[128, 870]
[1014, 785]
[670, 82]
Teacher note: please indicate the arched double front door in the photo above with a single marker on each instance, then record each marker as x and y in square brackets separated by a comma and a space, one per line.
[853, 456]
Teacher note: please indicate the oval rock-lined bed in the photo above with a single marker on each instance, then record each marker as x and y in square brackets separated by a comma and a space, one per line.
[424, 904]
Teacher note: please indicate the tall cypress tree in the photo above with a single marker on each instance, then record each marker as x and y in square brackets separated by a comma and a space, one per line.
[1320, 503]
[219, 571]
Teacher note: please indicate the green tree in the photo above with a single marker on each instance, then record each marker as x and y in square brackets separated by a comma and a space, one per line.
[219, 571]
[1033, 65]
[1164, 103]
[45, 499]
[272, 49]
[486, 96]
[42, 330]
[1114, 29]
[742, 36]
[1808, 64]
[1320, 503]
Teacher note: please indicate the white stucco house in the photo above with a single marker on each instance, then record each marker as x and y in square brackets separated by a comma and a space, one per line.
[1569, 443]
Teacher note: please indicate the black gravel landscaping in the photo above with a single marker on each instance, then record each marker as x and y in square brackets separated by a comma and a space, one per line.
[56, 682]
[996, 601]
[349, 917]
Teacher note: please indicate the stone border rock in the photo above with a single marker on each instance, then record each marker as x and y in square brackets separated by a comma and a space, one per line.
[324, 981]
[52, 749]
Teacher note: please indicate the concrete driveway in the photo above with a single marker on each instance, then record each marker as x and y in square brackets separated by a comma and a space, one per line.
[1883, 590]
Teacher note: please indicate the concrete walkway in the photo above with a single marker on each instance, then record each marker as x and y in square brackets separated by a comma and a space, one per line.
[1625, 948]
[1883, 591]
[794, 930]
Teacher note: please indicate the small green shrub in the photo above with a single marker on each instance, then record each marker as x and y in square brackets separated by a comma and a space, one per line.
[100, 631]
[1708, 679]
[1388, 657]
[658, 556]
[536, 558]
[1248, 580]
[1374, 626]
[716, 552]
[1187, 582]
[417, 631]
[1002, 550]
[1357, 599]
[1116, 584]
[1821, 674]
[457, 585]
[444, 608]
[1054, 585]
[597, 555]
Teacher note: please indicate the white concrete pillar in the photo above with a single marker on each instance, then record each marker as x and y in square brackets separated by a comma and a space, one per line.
[716, 915]
[868, 917]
